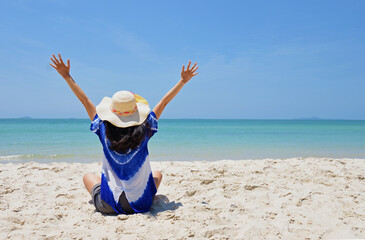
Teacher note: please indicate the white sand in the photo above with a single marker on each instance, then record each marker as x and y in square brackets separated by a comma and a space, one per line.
[253, 199]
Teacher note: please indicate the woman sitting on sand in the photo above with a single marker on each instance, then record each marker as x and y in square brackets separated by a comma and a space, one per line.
[124, 125]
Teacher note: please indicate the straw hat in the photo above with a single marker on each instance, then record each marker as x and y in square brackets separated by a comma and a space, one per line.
[124, 109]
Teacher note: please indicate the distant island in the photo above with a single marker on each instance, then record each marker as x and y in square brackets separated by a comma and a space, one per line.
[25, 117]
[310, 118]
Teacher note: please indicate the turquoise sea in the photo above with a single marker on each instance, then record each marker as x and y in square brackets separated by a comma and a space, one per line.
[48, 140]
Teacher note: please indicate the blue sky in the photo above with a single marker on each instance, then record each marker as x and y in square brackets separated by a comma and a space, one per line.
[258, 59]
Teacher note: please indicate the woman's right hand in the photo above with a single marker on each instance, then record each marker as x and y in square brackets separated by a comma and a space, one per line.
[60, 66]
[187, 74]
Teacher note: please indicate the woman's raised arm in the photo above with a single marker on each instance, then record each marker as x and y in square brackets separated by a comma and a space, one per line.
[64, 71]
[186, 75]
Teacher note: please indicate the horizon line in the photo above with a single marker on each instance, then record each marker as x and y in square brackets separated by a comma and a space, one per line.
[304, 119]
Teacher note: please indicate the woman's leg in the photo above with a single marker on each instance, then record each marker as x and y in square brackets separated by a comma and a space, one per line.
[157, 177]
[90, 180]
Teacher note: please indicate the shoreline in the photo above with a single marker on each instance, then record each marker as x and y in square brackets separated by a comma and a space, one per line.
[32, 158]
[254, 199]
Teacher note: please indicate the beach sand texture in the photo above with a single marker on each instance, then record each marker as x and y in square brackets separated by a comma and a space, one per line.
[297, 198]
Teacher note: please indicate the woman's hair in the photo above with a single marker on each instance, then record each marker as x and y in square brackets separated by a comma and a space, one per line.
[123, 139]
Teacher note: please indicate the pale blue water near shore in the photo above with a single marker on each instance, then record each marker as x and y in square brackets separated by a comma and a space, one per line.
[48, 140]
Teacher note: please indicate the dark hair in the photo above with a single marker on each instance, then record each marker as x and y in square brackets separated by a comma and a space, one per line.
[123, 139]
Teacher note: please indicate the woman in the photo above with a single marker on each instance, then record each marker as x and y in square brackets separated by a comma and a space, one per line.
[124, 125]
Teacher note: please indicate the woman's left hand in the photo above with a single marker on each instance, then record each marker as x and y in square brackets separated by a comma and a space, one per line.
[60, 66]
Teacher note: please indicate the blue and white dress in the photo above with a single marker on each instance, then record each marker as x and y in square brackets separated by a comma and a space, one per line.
[130, 172]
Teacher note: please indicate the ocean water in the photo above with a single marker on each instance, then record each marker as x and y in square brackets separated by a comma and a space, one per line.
[48, 140]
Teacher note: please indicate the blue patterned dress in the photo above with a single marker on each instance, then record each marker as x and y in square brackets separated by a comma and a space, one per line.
[130, 172]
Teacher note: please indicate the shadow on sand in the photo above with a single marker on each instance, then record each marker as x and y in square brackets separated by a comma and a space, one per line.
[161, 203]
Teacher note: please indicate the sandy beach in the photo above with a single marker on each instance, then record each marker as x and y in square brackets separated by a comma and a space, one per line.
[310, 198]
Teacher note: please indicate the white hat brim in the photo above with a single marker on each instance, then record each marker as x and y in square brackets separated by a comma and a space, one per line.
[137, 118]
